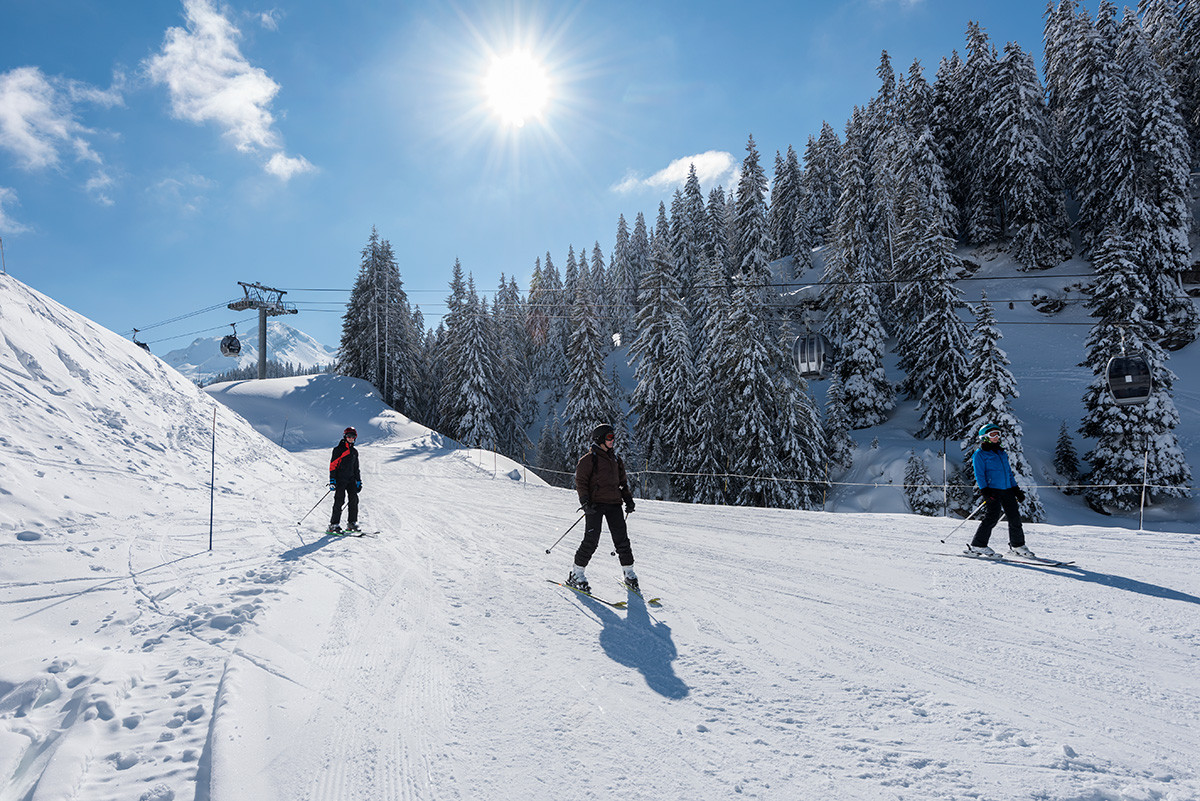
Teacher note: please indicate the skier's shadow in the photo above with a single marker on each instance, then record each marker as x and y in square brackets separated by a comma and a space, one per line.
[639, 642]
[304, 550]
[1119, 582]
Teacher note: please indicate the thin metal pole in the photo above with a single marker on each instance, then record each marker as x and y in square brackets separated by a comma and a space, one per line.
[212, 485]
[565, 533]
[262, 342]
[965, 519]
[1145, 472]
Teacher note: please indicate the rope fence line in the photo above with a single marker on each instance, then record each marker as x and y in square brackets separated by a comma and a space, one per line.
[874, 484]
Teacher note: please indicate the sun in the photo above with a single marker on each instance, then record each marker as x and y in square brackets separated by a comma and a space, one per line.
[517, 87]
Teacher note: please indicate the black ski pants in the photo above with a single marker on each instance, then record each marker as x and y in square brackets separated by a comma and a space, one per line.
[340, 496]
[593, 517]
[1005, 500]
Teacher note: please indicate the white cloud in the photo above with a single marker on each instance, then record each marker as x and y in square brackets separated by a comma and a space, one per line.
[284, 167]
[712, 167]
[7, 224]
[270, 19]
[210, 81]
[188, 192]
[98, 186]
[37, 117]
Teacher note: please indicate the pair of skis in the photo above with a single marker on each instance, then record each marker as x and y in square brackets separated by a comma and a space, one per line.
[614, 604]
[348, 533]
[1024, 560]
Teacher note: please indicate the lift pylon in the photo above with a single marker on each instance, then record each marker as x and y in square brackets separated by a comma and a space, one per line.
[269, 303]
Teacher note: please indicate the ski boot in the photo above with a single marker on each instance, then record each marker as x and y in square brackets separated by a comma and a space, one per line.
[352, 527]
[631, 581]
[982, 550]
[577, 581]
[335, 530]
[1022, 551]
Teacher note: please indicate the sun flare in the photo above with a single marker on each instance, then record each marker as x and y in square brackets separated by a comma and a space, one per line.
[517, 87]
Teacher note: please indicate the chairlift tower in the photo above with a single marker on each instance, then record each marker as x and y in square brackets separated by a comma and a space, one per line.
[269, 303]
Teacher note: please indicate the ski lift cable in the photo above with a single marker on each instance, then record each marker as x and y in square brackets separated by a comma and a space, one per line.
[144, 328]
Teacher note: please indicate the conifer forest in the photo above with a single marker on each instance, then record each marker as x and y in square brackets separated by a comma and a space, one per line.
[680, 331]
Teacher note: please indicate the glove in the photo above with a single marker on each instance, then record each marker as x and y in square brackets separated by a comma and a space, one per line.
[629, 506]
[358, 486]
[585, 503]
[988, 494]
[1020, 493]
[332, 486]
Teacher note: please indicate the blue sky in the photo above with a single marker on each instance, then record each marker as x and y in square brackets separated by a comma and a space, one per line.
[153, 156]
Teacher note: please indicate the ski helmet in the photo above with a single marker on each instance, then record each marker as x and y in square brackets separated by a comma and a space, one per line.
[350, 432]
[601, 433]
[987, 429]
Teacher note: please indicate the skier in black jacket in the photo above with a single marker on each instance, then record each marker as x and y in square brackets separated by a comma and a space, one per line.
[345, 481]
[602, 485]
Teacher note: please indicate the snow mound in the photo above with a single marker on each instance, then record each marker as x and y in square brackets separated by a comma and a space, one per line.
[91, 420]
[309, 412]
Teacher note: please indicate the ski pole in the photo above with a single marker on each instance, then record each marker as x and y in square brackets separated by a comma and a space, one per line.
[965, 519]
[565, 533]
[318, 503]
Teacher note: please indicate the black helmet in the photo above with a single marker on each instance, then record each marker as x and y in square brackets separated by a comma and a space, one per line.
[602, 432]
[350, 432]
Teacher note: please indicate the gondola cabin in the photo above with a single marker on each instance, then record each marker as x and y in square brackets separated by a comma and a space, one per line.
[1129, 380]
[811, 354]
[231, 346]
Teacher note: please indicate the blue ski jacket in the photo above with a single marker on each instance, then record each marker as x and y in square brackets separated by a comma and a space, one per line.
[992, 468]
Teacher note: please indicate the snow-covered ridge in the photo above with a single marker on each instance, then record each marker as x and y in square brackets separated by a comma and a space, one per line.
[90, 418]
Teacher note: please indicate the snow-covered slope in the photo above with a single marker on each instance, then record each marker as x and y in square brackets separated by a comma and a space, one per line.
[797, 654]
[91, 420]
[203, 360]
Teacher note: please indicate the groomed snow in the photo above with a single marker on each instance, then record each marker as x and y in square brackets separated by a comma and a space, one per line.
[797, 654]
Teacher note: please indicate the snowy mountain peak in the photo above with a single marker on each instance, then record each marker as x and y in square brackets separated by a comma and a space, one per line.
[203, 360]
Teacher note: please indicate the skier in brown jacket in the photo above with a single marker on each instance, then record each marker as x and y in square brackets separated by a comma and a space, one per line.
[602, 486]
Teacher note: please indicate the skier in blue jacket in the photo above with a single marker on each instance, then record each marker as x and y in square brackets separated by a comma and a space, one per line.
[998, 486]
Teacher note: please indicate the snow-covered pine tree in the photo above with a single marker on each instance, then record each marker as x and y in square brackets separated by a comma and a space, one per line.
[549, 326]
[987, 399]
[718, 228]
[755, 418]
[785, 197]
[1025, 180]
[1066, 460]
[885, 145]
[429, 375]
[925, 257]
[514, 390]
[691, 238]
[475, 358]
[551, 459]
[823, 182]
[853, 307]
[663, 357]
[1132, 442]
[947, 125]
[838, 442]
[589, 401]
[708, 455]
[378, 342]
[923, 497]
[622, 286]
[1189, 91]
[1163, 187]
[977, 155]
[752, 245]
[449, 348]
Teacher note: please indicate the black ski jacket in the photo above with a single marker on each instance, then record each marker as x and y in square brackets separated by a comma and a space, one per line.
[343, 466]
[600, 477]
